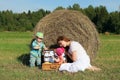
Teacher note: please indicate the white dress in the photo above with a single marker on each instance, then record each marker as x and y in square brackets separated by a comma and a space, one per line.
[82, 62]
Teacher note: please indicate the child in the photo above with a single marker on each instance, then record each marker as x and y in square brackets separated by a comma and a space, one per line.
[60, 54]
[37, 47]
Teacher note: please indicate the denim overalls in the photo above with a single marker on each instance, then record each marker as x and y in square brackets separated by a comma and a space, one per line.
[35, 54]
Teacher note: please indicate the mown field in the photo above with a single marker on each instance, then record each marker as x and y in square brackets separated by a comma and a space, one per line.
[14, 51]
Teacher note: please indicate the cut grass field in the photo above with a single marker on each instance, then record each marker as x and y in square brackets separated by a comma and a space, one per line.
[14, 50]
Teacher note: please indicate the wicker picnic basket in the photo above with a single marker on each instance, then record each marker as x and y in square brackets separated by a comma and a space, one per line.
[50, 66]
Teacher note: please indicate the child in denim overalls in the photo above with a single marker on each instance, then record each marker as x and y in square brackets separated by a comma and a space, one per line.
[37, 47]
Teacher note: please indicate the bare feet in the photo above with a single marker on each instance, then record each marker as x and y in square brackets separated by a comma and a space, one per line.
[94, 68]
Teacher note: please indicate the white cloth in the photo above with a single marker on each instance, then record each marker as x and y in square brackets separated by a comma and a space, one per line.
[82, 62]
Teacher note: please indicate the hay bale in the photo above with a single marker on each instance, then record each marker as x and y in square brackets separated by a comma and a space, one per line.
[72, 24]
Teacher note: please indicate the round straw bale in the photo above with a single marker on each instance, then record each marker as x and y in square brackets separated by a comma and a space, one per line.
[72, 24]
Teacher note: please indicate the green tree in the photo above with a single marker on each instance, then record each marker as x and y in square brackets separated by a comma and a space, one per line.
[101, 18]
[59, 8]
[114, 22]
[76, 7]
[90, 12]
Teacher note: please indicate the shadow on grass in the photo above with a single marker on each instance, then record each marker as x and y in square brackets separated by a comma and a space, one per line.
[24, 58]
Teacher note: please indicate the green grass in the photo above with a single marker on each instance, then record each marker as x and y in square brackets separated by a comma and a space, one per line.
[14, 46]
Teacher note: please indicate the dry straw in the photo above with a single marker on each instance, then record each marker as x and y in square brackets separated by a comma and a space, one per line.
[72, 24]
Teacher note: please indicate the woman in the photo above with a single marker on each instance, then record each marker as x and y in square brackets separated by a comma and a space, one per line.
[77, 54]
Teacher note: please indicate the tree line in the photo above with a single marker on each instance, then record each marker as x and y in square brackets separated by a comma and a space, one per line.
[105, 21]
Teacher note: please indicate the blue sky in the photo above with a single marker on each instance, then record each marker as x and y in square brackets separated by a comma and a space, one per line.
[34, 5]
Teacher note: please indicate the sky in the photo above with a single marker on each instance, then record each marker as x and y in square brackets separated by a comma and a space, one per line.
[18, 6]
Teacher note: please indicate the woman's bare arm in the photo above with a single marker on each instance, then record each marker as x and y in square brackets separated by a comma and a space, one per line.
[72, 56]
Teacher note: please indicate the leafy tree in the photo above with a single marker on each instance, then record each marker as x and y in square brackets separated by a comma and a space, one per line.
[69, 8]
[100, 18]
[76, 7]
[90, 12]
[59, 8]
[114, 22]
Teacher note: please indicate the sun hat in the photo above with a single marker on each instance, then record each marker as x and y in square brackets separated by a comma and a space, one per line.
[59, 51]
[39, 34]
